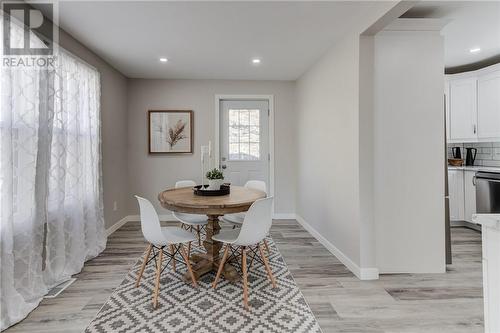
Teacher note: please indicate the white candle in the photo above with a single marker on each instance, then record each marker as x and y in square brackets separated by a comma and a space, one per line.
[201, 150]
[209, 155]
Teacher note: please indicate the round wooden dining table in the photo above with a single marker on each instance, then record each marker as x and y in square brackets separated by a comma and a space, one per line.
[184, 200]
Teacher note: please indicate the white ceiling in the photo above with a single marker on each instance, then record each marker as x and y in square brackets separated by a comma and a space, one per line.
[210, 40]
[472, 24]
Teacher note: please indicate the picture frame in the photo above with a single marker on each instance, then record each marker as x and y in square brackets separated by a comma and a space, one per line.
[170, 132]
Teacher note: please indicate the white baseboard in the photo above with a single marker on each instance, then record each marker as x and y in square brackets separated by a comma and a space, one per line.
[361, 273]
[369, 273]
[465, 224]
[135, 218]
[116, 226]
[284, 216]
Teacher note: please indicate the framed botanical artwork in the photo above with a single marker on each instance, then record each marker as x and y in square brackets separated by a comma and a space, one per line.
[170, 131]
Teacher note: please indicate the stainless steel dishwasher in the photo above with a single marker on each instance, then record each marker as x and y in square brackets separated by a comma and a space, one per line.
[487, 192]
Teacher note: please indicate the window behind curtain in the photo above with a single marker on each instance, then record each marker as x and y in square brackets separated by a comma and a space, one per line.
[51, 214]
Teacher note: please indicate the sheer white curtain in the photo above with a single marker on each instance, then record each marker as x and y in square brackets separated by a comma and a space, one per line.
[50, 180]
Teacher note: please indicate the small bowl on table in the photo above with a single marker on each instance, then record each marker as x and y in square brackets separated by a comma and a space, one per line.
[455, 161]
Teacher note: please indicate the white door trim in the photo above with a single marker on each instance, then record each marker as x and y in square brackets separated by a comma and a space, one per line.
[270, 99]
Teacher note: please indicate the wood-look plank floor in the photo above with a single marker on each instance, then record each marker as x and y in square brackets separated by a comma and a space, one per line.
[450, 302]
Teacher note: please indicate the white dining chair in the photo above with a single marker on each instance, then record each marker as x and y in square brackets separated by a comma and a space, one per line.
[190, 221]
[158, 238]
[236, 219]
[253, 232]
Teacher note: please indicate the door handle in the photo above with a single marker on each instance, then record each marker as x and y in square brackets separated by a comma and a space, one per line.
[223, 166]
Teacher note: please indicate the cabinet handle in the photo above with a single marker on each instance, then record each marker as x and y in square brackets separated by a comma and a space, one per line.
[474, 128]
[474, 180]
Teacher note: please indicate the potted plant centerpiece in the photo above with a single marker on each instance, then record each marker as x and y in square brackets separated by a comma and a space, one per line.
[215, 179]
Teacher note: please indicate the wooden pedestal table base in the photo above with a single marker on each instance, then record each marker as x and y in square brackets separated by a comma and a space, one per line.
[209, 262]
[185, 201]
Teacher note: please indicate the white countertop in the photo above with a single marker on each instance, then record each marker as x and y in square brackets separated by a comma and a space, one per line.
[474, 168]
[488, 220]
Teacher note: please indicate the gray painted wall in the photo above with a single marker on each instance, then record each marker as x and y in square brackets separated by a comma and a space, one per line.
[327, 142]
[152, 174]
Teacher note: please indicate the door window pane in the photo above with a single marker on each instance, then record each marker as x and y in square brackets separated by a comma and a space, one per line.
[244, 118]
[254, 151]
[234, 151]
[254, 118]
[244, 135]
[234, 133]
[233, 118]
[245, 151]
[254, 134]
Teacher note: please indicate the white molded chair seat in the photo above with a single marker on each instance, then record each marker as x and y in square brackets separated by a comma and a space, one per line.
[253, 232]
[237, 218]
[228, 237]
[190, 220]
[186, 218]
[176, 235]
[160, 238]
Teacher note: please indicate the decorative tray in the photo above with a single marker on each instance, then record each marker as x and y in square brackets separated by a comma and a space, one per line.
[224, 190]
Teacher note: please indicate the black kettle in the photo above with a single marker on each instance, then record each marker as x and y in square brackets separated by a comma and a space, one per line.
[470, 156]
[456, 152]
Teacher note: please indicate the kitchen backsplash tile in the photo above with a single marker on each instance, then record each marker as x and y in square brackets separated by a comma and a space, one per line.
[488, 153]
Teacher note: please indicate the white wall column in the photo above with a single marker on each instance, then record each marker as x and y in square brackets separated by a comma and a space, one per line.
[408, 147]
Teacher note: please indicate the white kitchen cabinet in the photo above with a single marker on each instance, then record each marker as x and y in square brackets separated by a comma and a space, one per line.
[473, 105]
[488, 106]
[456, 193]
[463, 109]
[469, 195]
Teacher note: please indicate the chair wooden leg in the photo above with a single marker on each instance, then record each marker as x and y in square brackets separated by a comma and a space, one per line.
[188, 264]
[245, 277]
[143, 266]
[172, 252]
[189, 250]
[198, 233]
[157, 283]
[268, 268]
[221, 266]
[267, 247]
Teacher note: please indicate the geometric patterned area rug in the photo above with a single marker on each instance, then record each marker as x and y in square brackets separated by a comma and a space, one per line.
[182, 308]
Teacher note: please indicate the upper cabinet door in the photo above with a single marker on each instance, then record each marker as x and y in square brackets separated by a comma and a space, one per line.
[488, 105]
[463, 109]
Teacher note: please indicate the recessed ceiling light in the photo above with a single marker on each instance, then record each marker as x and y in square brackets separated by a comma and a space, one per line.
[475, 50]
[163, 59]
[255, 61]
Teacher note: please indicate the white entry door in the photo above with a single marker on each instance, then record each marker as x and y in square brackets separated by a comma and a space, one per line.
[244, 140]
